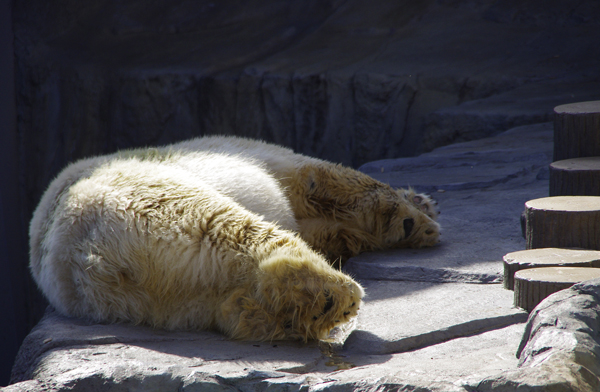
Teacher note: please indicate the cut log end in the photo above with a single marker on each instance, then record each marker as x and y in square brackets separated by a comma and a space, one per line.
[575, 177]
[547, 257]
[563, 222]
[576, 130]
[533, 285]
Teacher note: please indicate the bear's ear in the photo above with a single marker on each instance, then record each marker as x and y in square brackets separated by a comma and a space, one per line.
[307, 178]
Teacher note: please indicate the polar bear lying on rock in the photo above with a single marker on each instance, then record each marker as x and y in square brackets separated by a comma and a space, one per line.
[217, 233]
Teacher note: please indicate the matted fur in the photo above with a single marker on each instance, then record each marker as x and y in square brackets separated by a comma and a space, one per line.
[212, 233]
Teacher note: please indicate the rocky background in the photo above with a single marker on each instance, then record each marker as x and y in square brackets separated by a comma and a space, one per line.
[344, 80]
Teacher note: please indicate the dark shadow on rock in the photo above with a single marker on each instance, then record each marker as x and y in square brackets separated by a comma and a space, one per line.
[367, 343]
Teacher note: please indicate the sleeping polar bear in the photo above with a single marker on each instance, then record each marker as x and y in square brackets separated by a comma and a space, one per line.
[217, 233]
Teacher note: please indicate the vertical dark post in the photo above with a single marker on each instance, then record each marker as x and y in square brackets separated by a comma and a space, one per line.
[13, 250]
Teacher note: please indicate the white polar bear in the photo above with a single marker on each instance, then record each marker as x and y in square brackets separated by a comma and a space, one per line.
[216, 233]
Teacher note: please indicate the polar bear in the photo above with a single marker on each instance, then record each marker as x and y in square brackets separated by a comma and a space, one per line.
[218, 233]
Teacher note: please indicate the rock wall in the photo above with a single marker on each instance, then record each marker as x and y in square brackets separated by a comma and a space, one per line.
[13, 287]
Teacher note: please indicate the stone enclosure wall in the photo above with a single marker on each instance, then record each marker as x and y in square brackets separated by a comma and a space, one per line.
[335, 79]
[343, 80]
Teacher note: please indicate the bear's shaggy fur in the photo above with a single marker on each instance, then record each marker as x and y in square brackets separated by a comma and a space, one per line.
[216, 233]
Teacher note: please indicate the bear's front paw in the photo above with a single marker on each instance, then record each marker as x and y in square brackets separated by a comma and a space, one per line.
[306, 298]
[427, 235]
[342, 303]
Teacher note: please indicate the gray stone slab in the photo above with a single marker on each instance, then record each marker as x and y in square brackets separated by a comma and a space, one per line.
[456, 364]
[68, 340]
[183, 366]
[470, 165]
[403, 317]
[434, 319]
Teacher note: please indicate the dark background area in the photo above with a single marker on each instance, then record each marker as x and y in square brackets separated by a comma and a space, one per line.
[341, 79]
[15, 288]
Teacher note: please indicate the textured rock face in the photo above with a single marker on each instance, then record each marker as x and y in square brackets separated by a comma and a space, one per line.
[341, 80]
[559, 350]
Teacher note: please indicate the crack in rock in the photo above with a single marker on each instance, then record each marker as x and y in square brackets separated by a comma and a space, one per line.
[374, 271]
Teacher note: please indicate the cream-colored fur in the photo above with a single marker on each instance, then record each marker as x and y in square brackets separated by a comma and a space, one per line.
[203, 234]
[341, 212]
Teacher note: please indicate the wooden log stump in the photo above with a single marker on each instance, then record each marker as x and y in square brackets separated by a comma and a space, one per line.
[535, 284]
[577, 130]
[547, 257]
[563, 222]
[575, 177]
